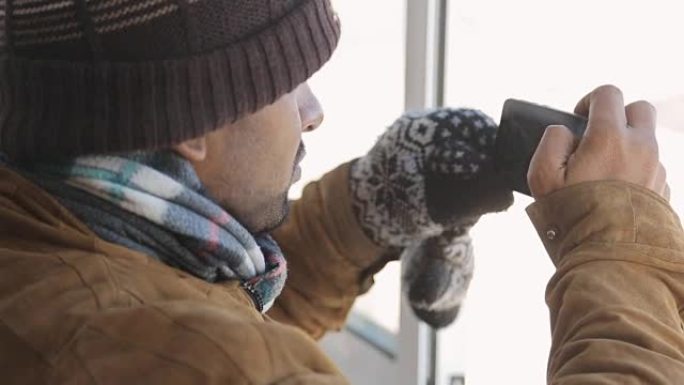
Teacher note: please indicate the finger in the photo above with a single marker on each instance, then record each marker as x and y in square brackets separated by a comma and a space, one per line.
[605, 109]
[666, 193]
[548, 165]
[641, 114]
[660, 182]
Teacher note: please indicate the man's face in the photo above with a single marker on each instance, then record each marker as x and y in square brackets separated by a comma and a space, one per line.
[251, 164]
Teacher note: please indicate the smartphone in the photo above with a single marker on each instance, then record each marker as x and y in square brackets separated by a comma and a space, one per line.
[520, 131]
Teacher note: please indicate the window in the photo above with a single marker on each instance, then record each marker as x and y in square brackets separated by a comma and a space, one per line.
[550, 52]
[362, 91]
[546, 51]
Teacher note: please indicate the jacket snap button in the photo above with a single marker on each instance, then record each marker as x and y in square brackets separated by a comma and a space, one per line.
[551, 234]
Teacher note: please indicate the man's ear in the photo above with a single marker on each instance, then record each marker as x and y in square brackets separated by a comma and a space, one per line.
[194, 150]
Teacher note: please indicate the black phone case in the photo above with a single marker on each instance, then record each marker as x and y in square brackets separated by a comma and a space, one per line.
[520, 131]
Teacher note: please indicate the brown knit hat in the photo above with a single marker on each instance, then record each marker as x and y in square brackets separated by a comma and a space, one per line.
[100, 76]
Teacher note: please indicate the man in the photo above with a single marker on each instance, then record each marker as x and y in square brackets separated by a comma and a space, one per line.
[150, 148]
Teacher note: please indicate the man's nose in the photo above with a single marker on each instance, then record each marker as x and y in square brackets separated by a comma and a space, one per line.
[310, 110]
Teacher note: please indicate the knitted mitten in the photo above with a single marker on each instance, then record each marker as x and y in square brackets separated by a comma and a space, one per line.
[422, 186]
[437, 275]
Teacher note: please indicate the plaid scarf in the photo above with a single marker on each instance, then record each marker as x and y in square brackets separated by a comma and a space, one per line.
[153, 202]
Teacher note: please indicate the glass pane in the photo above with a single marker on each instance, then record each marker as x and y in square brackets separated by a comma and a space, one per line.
[362, 92]
[551, 52]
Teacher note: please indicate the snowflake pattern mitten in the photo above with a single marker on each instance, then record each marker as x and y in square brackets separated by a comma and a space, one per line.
[424, 184]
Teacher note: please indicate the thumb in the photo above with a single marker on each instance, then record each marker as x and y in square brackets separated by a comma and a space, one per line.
[549, 164]
[454, 201]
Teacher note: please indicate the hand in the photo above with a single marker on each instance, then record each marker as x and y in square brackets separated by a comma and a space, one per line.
[421, 188]
[428, 172]
[619, 144]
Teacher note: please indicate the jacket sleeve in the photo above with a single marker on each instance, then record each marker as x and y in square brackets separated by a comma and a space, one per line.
[616, 297]
[330, 259]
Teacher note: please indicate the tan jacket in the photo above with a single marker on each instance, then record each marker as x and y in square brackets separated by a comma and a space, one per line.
[77, 310]
[617, 297]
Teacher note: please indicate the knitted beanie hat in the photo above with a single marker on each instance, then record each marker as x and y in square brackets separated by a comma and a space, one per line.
[100, 76]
